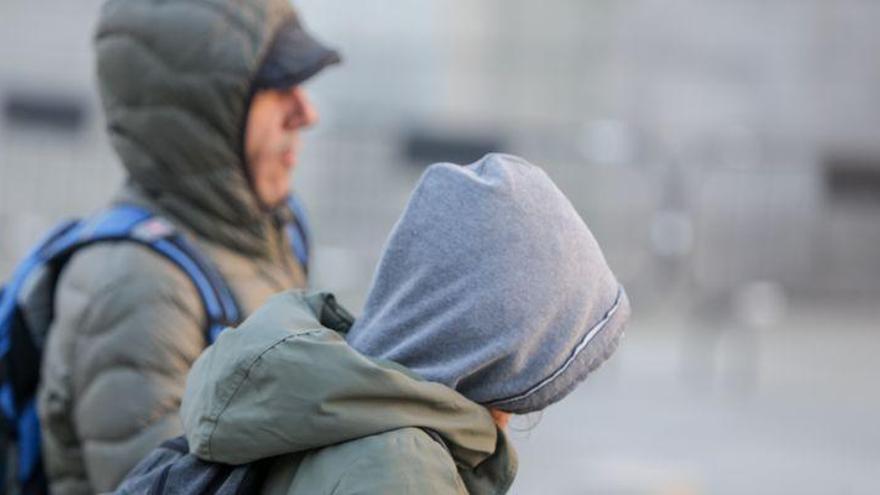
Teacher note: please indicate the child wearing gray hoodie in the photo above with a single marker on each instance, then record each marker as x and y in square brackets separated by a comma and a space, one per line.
[492, 297]
[492, 284]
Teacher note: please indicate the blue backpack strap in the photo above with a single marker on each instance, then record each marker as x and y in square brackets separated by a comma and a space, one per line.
[219, 302]
[299, 232]
[32, 261]
[120, 223]
[23, 420]
[135, 224]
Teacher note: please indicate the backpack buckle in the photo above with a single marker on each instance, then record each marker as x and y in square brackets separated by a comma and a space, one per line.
[152, 229]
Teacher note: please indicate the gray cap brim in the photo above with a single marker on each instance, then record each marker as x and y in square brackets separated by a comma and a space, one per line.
[294, 57]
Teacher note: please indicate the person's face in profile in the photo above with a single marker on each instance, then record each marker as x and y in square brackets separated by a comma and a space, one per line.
[272, 140]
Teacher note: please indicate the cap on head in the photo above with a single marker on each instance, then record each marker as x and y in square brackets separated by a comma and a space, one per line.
[293, 57]
[175, 79]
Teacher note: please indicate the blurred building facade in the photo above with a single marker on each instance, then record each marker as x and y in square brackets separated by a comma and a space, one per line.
[710, 144]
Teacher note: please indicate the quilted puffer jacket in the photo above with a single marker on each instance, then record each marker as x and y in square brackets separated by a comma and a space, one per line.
[174, 79]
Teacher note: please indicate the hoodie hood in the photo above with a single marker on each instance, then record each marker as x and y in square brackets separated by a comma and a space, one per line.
[283, 383]
[175, 80]
[492, 284]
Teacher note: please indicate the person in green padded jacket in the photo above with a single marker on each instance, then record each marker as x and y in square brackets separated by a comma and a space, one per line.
[491, 298]
[204, 105]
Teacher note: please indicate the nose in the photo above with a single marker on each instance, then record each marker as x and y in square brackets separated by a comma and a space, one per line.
[302, 112]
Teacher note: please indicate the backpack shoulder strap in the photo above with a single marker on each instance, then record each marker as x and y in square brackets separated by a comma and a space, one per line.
[32, 261]
[299, 232]
[20, 416]
[135, 224]
[117, 224]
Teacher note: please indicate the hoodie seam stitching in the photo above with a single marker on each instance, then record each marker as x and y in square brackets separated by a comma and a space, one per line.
[585, 341]
[244, 378]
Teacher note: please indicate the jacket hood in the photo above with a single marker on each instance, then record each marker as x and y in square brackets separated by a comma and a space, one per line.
[283, 383]
[175, 80]
[492, 284]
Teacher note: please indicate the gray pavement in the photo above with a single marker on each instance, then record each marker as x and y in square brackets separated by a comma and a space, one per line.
[643, 425]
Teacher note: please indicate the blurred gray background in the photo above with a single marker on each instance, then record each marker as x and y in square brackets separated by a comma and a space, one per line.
[726, 154]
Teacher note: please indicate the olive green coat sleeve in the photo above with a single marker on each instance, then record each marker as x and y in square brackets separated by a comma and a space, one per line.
[398, 462]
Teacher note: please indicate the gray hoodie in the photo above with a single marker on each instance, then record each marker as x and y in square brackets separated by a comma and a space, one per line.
[492, 284]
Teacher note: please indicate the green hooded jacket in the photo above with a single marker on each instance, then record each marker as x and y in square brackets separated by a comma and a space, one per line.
[282, 385]
[175, 80]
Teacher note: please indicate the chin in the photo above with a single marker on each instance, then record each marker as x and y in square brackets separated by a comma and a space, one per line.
[282, 194]
[272, 197]
[279, 198]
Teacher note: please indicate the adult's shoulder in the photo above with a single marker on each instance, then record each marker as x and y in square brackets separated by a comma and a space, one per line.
[126, 289]
[125, 268]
